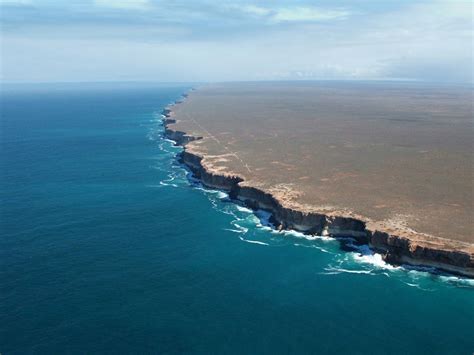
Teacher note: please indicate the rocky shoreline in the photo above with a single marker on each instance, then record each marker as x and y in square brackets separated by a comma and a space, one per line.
[396, 246]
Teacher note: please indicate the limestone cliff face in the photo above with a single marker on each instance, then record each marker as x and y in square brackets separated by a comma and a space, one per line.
[312, 223]
[222, 182]
[401, 250]
[396, 249]
[179, 137]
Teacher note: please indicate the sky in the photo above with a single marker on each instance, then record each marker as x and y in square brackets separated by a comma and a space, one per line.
[235, 40]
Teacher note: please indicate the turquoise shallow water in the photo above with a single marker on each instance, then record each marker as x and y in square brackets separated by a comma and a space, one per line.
[108, 246]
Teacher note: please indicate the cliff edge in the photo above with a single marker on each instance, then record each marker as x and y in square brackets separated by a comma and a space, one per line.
[397, 243]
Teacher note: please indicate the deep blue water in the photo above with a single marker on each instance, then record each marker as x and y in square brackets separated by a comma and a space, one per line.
[107, 247]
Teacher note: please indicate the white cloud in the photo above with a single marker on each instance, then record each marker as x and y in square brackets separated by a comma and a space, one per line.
[308, 14]
[293, 14]
[254, 10]
[124, 4]
[416, 41]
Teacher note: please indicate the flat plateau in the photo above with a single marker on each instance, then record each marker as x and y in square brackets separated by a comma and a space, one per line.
[390, 164]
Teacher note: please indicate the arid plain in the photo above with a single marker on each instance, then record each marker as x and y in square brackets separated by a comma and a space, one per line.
[396, 155]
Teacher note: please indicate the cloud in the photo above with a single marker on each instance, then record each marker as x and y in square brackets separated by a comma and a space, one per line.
[206, 40]
[253, 10]
[307, 14]
[124, 4]
[294, 14]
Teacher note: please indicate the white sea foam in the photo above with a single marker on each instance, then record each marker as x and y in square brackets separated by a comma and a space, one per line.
[331, 270]
[206, 190]
[234, 230]
[167, 184]
[301, 235]
[239, 227]
[313, 246]
[253, 241]
[243, 209]
[228, 209]
[374, 259]
[367, 256]
[254, 220]
[418, 286]
[222, 195]
[419, 272]
[457, 281]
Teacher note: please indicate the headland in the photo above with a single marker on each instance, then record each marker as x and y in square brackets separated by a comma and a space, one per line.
[385, 164]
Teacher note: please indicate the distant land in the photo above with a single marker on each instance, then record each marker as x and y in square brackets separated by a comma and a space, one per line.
[386, 164]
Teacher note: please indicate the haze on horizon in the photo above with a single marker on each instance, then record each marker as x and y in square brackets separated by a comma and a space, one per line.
[153, 40]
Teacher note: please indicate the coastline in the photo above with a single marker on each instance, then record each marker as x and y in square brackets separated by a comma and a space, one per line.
[397, 247]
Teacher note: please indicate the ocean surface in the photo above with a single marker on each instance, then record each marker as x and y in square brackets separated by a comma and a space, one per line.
[108, 245]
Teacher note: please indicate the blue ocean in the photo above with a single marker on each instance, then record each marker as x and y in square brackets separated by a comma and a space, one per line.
[109, 246]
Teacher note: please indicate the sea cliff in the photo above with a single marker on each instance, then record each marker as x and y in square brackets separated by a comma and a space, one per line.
[397, 246]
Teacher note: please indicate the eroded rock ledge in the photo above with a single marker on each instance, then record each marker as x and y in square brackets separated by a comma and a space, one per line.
[397, 246]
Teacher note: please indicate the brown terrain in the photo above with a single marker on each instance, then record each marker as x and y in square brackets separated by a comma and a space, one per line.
[389, 164]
